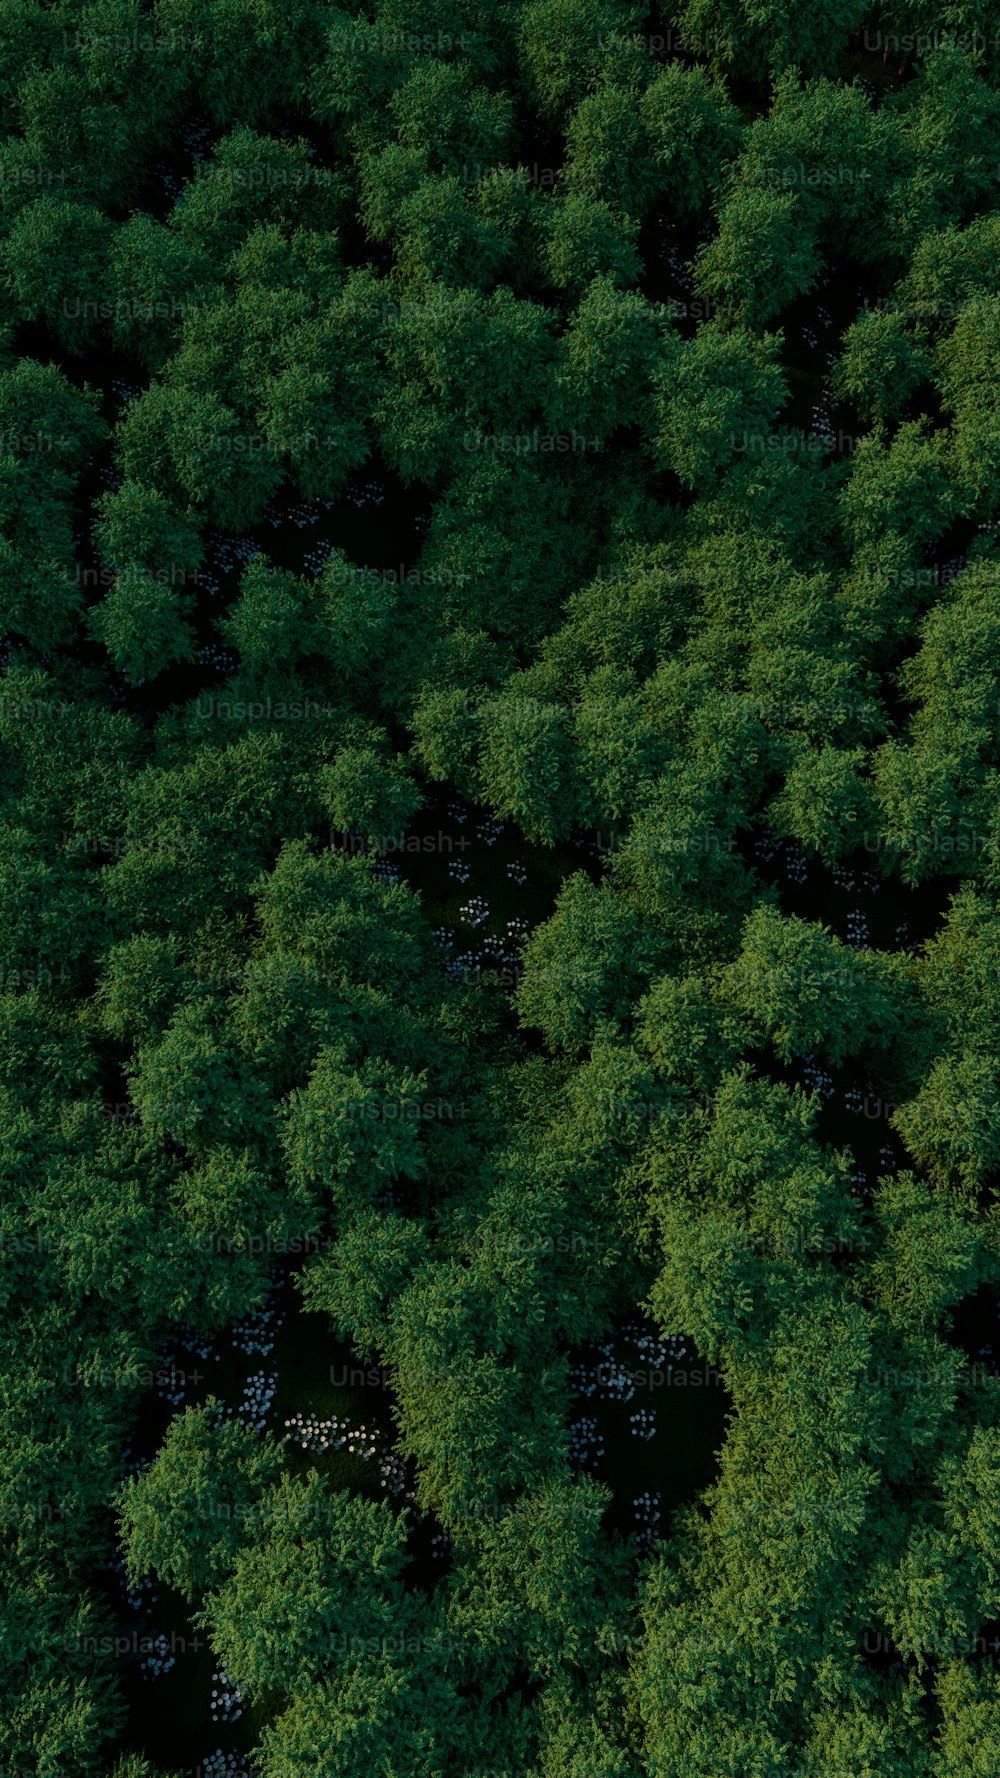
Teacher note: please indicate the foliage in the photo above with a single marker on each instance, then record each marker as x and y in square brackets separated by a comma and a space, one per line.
[550, 423]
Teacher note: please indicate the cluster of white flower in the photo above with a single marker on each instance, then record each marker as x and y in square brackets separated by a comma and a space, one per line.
[586, 1445]
[258, 1393]
[489, 831]
[255, 1333]
[315, 558]
[767, 846]
[225, 1765]
[816, 1078]
[822, 426]
[857, 928]
[676, 259]
[392, 1475]
[495, 948]
[302, 515]
[169, 1382]
[154, 1665]
[583, 1378]
[796, 866]
[193, 1341]
[517, 872]
[369, 493]
[126, 392]
[230, 552]
[647, 1513]
[314, 1434]
[227, 1699]
[131, 1465]
[222, 660]
[140, 1595]
[466, 964]
[602, 1375]
[987, 1351]
[643, 1424]
[475, 912]
[655, 1350]
[458, 869]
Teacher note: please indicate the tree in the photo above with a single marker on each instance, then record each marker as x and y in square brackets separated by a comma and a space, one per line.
[946, 119]
[190, 1085]
[356, 611]
[968, 396]
[585, 965]
[54, 269]
[354, 1130]
[366, 792]
[187, 1516]
[608, 155]
[332, 913]
[512, 212]
[52, 920]
[611, 349]
[458, 367]
[820, 140]
[690, 1033]
[317, 1586]
[881, 366]
[139, 526]
[693, 132]
[358, 1283]
[255, 63]
[41, 413]
[928, 1257]
[585, 239]
[273, 621]
[948, 267]
[197, 835]
[714, 393]
[824, 802]
[527, 766]
[192, 446]
[61, 141]
[156, 279]
[949, 1125]
[764, 255]
[903, 486]
[441, 238]
[540, 1579]
[772, 40]
[488, 563]
[441, 112]
[810, 991]
[564, 48]
[143, 625]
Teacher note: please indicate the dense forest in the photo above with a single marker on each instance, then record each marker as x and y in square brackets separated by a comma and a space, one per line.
[499, 889]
